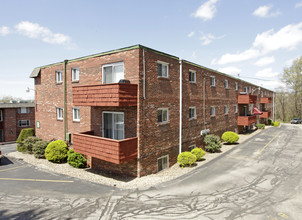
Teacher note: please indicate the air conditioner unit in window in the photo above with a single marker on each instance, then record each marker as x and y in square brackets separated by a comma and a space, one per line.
[204, 132]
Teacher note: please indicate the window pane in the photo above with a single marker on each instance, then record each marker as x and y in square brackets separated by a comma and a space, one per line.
[165, 115]
[159, 116]
[159, 69]
[108, 130]
[118, 73]
[165, 162]
[159, 165]
[107, 74]
[165, 71]
[118, 126]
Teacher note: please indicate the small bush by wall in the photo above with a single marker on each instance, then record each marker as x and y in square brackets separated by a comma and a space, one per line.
[76, 159]
[25, 133]
[270, 122]
[198, 152]
[230, 137]
[186, 159]
[260, 126]
[56, 151]
[39, 149]
[212, 142]
[29, 143]
[276, 123]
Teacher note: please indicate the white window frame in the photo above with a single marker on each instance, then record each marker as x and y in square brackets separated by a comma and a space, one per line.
[226, 84]
[163, 64]
[212, 81]
[194, 111]
[59, 76]
[226, 109]
[27, 123]
[23, 110]
[1, 115]
[76, 114]
[114, 134]
[163, 109]
[191, 147]
[192, 73]
[245, 89]
[236, 108]
[60, 113]
[161, 158]
[236, 86]
[212, 111]
[113, 65]
[75, 74]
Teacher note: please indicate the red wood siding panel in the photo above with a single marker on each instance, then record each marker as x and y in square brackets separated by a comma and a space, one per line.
[246, 120]
[247, 99]
[266, 115]
[117, 94]
[114, 151]
[265, 100]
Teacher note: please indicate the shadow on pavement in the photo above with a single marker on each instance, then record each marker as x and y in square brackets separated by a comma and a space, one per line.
[5, 161]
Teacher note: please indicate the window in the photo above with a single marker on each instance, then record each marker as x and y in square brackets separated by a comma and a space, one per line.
[163, 163]
[236, 108]
[75, 74]
[162, 115]
[192, 112]
[1, 115]
[59, 113]
[192, 76]
[76, 114]
[192, 147]
[236, 86]
[245, 89]
[113, 125]
[162, 69]
[226, 109]
[261, 93]
[59, 76]
[23, 110]
[226, 84]
[113, 73]
[23, 123]
[212, 80]
[38, 124]
[212, 111]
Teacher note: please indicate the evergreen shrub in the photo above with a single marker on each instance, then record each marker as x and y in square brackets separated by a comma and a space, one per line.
[186, 159]
[39, 149]
[212, 142]
[76, 159]
[56, 151]
[230, 137]
[198, 152]
[260, 126]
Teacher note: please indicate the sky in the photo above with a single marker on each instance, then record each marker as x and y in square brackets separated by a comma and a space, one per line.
[251, 39]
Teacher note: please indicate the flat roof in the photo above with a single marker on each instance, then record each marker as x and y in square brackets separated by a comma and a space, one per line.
[18, 105]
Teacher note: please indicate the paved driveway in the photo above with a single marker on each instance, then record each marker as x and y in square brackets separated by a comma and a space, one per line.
[259, 179]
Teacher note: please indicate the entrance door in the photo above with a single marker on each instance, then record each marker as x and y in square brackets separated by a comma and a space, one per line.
[245, 111]
[1, 136]
[113, 125]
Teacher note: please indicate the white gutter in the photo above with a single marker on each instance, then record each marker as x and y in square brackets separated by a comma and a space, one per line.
[180, 105]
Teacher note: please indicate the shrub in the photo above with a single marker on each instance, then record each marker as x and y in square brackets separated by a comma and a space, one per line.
[56, 151]
[198, 152]
[276, 123]
[29, 143]
[212, 142]
[24, 134]
[270, 122]
[230, 137]
[260, 126]
[186, 159]
[76, 159]
[39, 149]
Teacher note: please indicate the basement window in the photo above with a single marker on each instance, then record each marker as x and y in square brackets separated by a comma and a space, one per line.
[24, 123]
[162, 69]
[59, 113]
[162, 163]
[192, 147]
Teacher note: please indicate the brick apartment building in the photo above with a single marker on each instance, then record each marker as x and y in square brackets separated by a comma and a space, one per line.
[13, 118]
[127, 111]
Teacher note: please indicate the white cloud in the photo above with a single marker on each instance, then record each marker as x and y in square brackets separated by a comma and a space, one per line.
[264, 11]
[271, 84]
[267, 73]
[265, 61]
[4, 30]
[298, 5]
[230, 70]
[208, 38]
[206, 11]
[191, 34]
[35, 31]
[288, 37]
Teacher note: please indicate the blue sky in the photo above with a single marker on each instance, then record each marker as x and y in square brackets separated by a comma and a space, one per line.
[255, 39]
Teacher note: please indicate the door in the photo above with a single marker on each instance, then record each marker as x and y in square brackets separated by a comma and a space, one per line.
[1, 136]
[113, 125]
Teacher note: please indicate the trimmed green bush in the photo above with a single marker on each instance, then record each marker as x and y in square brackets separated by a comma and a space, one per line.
[276, 123]
[39, 149]
[29, 143]
[25, 133]
[212, 142]
[260, 126]
[230, 137]
[270, 122]
[198, 152]
[186, 159]
[56, 151]
[76, 159]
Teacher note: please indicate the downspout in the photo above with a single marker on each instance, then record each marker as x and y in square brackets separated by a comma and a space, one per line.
[204, 103]
[273, 106]
[180, 105]
[144, 75]
[65, 103]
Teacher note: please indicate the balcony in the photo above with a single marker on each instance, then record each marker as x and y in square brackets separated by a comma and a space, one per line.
[246, 120]
[265, 100]
[247, 99]
[110, 150]
[114, 95]
[266, 114]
